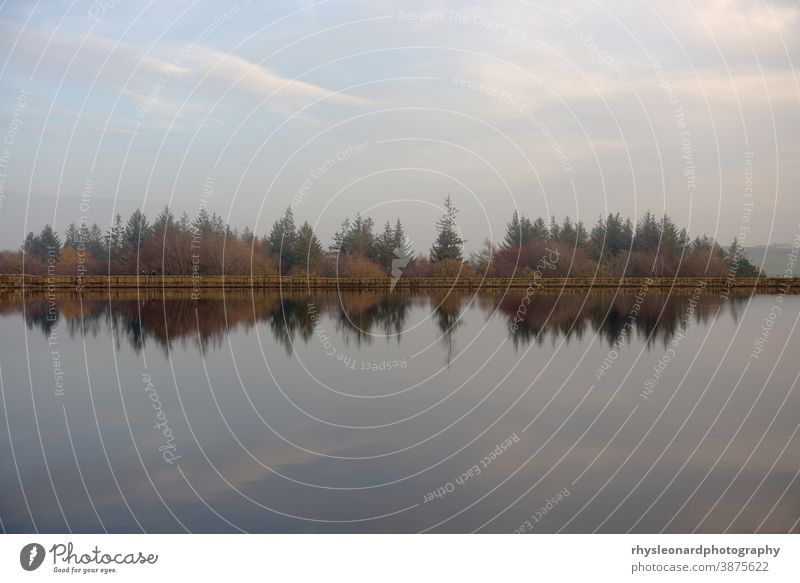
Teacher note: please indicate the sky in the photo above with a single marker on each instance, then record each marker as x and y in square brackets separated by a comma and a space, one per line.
[337, 107]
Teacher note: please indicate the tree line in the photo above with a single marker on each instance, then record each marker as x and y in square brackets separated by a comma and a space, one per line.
[614, 246]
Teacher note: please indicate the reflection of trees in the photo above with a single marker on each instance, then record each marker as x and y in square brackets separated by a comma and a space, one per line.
[571, 315]
[288, 317]
[447, 315]
[363, 314]
[174, 317]
[167, 320]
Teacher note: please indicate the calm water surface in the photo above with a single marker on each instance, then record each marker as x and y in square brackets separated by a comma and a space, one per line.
[368, 412]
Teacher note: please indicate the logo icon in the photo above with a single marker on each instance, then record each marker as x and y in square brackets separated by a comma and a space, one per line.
[400, 262]
[31, 556]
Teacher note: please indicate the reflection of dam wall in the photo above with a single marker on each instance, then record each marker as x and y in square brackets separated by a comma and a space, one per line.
[299, 283]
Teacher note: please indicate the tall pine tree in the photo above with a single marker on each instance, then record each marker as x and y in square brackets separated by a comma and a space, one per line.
[282, 241]
[448, 242]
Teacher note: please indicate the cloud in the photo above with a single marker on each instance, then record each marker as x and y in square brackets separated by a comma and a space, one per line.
[54, 51]
[161, 82]
[258, 81]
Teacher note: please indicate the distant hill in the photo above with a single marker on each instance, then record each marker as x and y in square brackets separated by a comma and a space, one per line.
[775, 260]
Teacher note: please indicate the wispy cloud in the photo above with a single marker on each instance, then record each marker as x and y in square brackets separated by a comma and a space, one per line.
[184, 87]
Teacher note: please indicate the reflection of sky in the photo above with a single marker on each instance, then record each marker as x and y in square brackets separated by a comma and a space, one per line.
[273, 453]
[148, 76]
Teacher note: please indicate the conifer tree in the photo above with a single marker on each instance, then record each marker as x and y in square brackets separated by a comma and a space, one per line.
[361, 239]
[513, 236]
[282, 240]
[527, 231]
[739, 261]
[448, 242]
[308, 248]
[402, 245]
[554, 231]
[137, 230]
[115, 239]
[648, 233]
[71, 236]
[384, 245]
[539, 230]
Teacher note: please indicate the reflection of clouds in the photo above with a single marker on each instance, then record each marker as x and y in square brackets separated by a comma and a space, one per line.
[226, 456]
[558, 430]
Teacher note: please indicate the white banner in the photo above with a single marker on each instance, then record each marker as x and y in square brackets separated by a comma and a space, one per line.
[355, 558]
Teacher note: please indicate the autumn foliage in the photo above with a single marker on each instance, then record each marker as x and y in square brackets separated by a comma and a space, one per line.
[206, 245]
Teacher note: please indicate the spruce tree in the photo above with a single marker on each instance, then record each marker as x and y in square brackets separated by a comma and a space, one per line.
[648, 233]
[71, 236]
[137, 230]
[164, 221]
[339, 244]
[527, 231]
[115, 239]
[581, 236]
[554, 231]
[738, 260]
[308, 248]
[448, 242]
[360, 239]
[568, 234]
[95, 241]
[402, 245]
[539, 230]
[513, 236]
[282, 240]
[49, 242]
[384, 245]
